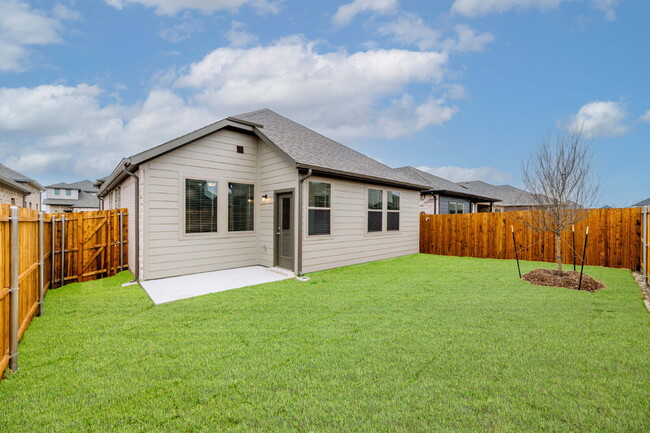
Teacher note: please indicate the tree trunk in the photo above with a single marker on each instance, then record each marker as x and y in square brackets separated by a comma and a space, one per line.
[558, 242]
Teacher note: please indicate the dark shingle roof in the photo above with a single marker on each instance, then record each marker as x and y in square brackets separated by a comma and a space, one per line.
[645, 202]
[437, 183]
[86, 200]
[509, 195]
[309, 148]
[82, 185]
[18, 177]
[10, 183]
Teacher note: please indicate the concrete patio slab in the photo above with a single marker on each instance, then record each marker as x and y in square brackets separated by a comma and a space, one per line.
[188, 286]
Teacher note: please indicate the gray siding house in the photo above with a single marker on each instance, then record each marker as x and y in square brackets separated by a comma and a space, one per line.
[260, 189]
[443, 196]
[71, 197]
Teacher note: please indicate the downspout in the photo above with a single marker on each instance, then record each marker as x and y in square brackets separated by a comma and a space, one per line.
[101, 203]
[301, 180]
[136, 217]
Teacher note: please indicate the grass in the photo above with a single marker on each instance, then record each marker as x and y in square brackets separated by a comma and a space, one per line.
[418, 344]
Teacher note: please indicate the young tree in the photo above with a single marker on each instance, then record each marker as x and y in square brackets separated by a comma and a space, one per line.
[558, 176]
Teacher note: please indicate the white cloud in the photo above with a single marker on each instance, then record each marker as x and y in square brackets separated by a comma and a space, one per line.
[646, 116]
[81, 130]
[346, 13]
[238, 36]
[172, 7]
[22, 27]
[69, 129]
[64, 13]
[474, 8]
[182, 30]
[410, 29]
[336, 91]
[460, 174]
[600, 119]
[468, 40]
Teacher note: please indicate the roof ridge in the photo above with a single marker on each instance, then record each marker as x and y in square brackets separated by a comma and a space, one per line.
[317, 133]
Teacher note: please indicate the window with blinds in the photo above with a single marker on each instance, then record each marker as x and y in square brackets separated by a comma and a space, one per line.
[241, 206]
[200, 206]
[319, 208]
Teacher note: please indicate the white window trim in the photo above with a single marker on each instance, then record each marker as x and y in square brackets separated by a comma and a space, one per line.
[307, 208]
[222, 208]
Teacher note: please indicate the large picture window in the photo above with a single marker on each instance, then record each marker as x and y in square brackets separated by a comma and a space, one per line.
[392, 206]
[241, 212]
[375, 206]
[200, 206]
[319, 209]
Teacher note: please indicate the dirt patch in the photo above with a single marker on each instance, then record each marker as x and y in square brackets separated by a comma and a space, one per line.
[568, 279]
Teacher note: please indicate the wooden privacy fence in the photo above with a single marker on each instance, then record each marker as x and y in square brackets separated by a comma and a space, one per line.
[645, 245]
[614, 237]
[39, 252]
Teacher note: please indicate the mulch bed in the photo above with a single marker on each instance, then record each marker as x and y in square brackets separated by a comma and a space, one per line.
[568, 279]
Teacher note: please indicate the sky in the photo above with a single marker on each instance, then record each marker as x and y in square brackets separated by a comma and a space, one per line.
[465, 89]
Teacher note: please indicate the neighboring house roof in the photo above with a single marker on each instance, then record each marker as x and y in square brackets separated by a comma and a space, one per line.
[18, 177]
[10, 183]
[509, 195]
[82, 185]
[645, 202]
[86, 200]
[300, 146]
[437, 184]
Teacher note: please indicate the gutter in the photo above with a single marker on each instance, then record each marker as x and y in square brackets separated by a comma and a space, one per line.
[136, 271]
[301, 180]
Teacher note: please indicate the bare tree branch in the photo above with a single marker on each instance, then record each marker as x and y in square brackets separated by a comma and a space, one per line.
[559, 178]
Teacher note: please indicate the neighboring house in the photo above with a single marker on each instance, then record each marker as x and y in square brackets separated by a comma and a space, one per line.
[71, 197]
[260, 189]
[19, 190]
[443, 196]
[642, 203]
[511, 198]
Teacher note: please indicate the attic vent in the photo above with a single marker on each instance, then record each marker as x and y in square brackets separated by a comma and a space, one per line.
[240, 149]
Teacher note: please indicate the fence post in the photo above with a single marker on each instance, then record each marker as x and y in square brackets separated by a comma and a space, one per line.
[121, 243]
[13, 292]
[646, 245]
[41, 264]
[62, 249]
[52, 255]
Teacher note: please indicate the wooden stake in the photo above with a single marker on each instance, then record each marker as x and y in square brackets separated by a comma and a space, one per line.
[512, 227]
[584, 256]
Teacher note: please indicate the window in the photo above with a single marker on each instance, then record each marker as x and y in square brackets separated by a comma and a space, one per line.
[375, 214]
[392, 206]
[319, 209]
[57, 191]
[200, 206]
[68, 192]
[241, 207]
[456, 208]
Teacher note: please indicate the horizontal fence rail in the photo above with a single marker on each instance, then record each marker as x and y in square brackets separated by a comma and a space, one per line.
[614, 237]
[51, 250]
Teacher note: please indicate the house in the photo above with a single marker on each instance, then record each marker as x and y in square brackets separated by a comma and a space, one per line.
[260, 189]
[510, 197]
[71, 197]
[17, 189]
[642, 203]
[443, 196]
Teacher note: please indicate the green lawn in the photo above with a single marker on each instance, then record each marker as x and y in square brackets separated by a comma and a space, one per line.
[417, 344]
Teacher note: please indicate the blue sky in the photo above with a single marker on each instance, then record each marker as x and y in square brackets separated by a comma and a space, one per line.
[466, 89]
